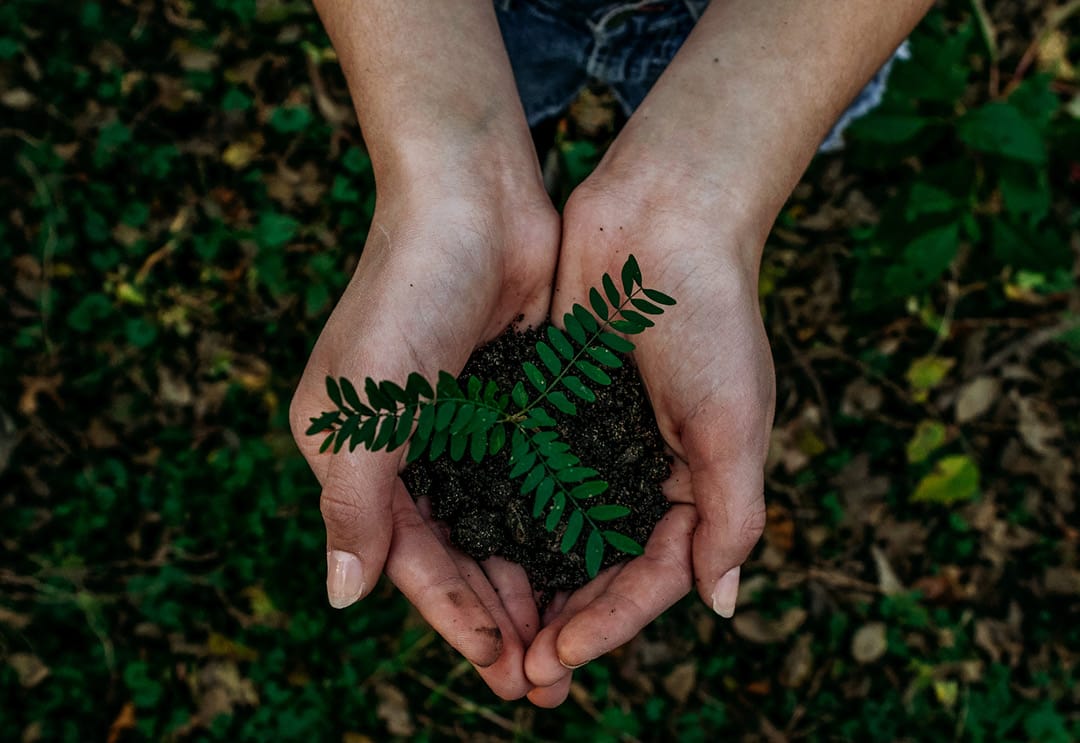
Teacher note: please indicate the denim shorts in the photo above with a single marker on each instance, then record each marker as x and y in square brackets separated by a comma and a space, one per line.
[557, 47]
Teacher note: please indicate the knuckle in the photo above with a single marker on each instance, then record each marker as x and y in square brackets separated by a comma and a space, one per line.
[340, 514]
[752, 525]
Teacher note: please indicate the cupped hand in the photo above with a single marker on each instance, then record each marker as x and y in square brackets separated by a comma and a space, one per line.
[708, 371]
[447, 266]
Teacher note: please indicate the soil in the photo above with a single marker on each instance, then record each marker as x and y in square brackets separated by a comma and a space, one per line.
[615, 435]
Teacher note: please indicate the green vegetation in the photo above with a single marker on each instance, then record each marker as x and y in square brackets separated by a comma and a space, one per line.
[183, 193]
[475, 419]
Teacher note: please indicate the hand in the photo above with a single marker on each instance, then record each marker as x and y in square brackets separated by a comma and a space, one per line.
[708, 371]
[448, 265]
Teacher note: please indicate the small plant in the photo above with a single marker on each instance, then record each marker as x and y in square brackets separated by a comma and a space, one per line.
[479, 419]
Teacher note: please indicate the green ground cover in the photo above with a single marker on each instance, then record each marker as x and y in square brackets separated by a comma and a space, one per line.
[184, 193]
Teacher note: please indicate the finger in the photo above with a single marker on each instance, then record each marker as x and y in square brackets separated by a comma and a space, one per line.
[552, 696]
[506, 676]
[542, 664]
[645, 588]
[421, 568]
[515, 594]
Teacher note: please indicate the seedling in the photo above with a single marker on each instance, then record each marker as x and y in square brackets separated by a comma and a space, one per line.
[479, 419]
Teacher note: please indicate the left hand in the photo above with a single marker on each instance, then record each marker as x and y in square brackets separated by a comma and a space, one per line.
[708, 371]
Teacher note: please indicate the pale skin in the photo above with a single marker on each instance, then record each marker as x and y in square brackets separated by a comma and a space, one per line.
[464, 239]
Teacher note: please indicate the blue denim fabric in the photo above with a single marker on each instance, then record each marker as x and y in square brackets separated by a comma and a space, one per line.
[557, 46]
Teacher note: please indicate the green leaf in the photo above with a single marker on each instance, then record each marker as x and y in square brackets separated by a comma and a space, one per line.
[521, 398]
[447, 386]
[647, 307]
[593, 372]
[535, 377]
[438, 444]
[637, 318]
[616, 343]
[375, 396]
[386, 430]
[659, 297]
[954, 479]
[497, 439]
[551, 361]
[607, 512]
[1000, 128]
[575, 385]
[560, 460]
[544, 439]
[574, 328]
[366, 432]
[544, 492]
[323, 422]
[598, 304]
[445, 415]
[556, 512]
[576, 474]
[416, 450]
[426, 422]
[393, 391]
[631, 275]
[464, 415]
[339, 440]
[290, 119]
[417, 386]
[586, 319]
[573, 531]
[613, 296]
[594, 553]
[478, 445]
[535, 476]
[560, 401]
[890, 128]
[929, 436]
[626, 326]
[333, 391]
[521, 465]
[539, 418]
[326, 443]
[457, 447]
[351, 397]
[623, 543]
[559, 341]
[587, 489]
[604, 356]
[403, 428]
[475, 387]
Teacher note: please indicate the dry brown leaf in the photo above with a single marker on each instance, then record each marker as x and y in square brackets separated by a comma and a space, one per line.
[889, 584]
[869, 642]
[752, 626]
[681, 681]
[1062, 580]
[799, 662]
[33, 387]
[124, 721]
[393, 709]
[19, 99]
[976, 397]
[30, 669]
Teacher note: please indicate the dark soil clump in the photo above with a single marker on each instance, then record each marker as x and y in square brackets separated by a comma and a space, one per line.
[616, 435]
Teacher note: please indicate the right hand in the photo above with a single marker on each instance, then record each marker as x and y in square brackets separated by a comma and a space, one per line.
[449, 263]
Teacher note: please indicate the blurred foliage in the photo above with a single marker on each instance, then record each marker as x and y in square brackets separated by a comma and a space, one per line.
[185, 192]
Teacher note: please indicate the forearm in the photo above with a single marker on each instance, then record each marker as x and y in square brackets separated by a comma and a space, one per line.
[746, 102]
[432, 86]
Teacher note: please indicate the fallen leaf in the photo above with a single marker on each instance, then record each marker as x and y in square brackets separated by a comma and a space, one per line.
[976, 397]
[869, 642]
[393, 709]
[29, 668]
[799, 662]
[926, 373]
[953, 479]
[929, 436]
[681, 681]
[1062, 580]
[889, 584]
[754, 627]
[19, 99]
[124, 721]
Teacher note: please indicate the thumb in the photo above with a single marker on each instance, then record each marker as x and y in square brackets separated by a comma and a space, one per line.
[728, 485]
[356, 498]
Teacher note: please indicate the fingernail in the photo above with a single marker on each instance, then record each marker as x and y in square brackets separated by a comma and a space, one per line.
[569, 667]
[725, 593]
[344, 578]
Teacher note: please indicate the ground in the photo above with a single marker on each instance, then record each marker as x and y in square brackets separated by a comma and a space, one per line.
[184, 192]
